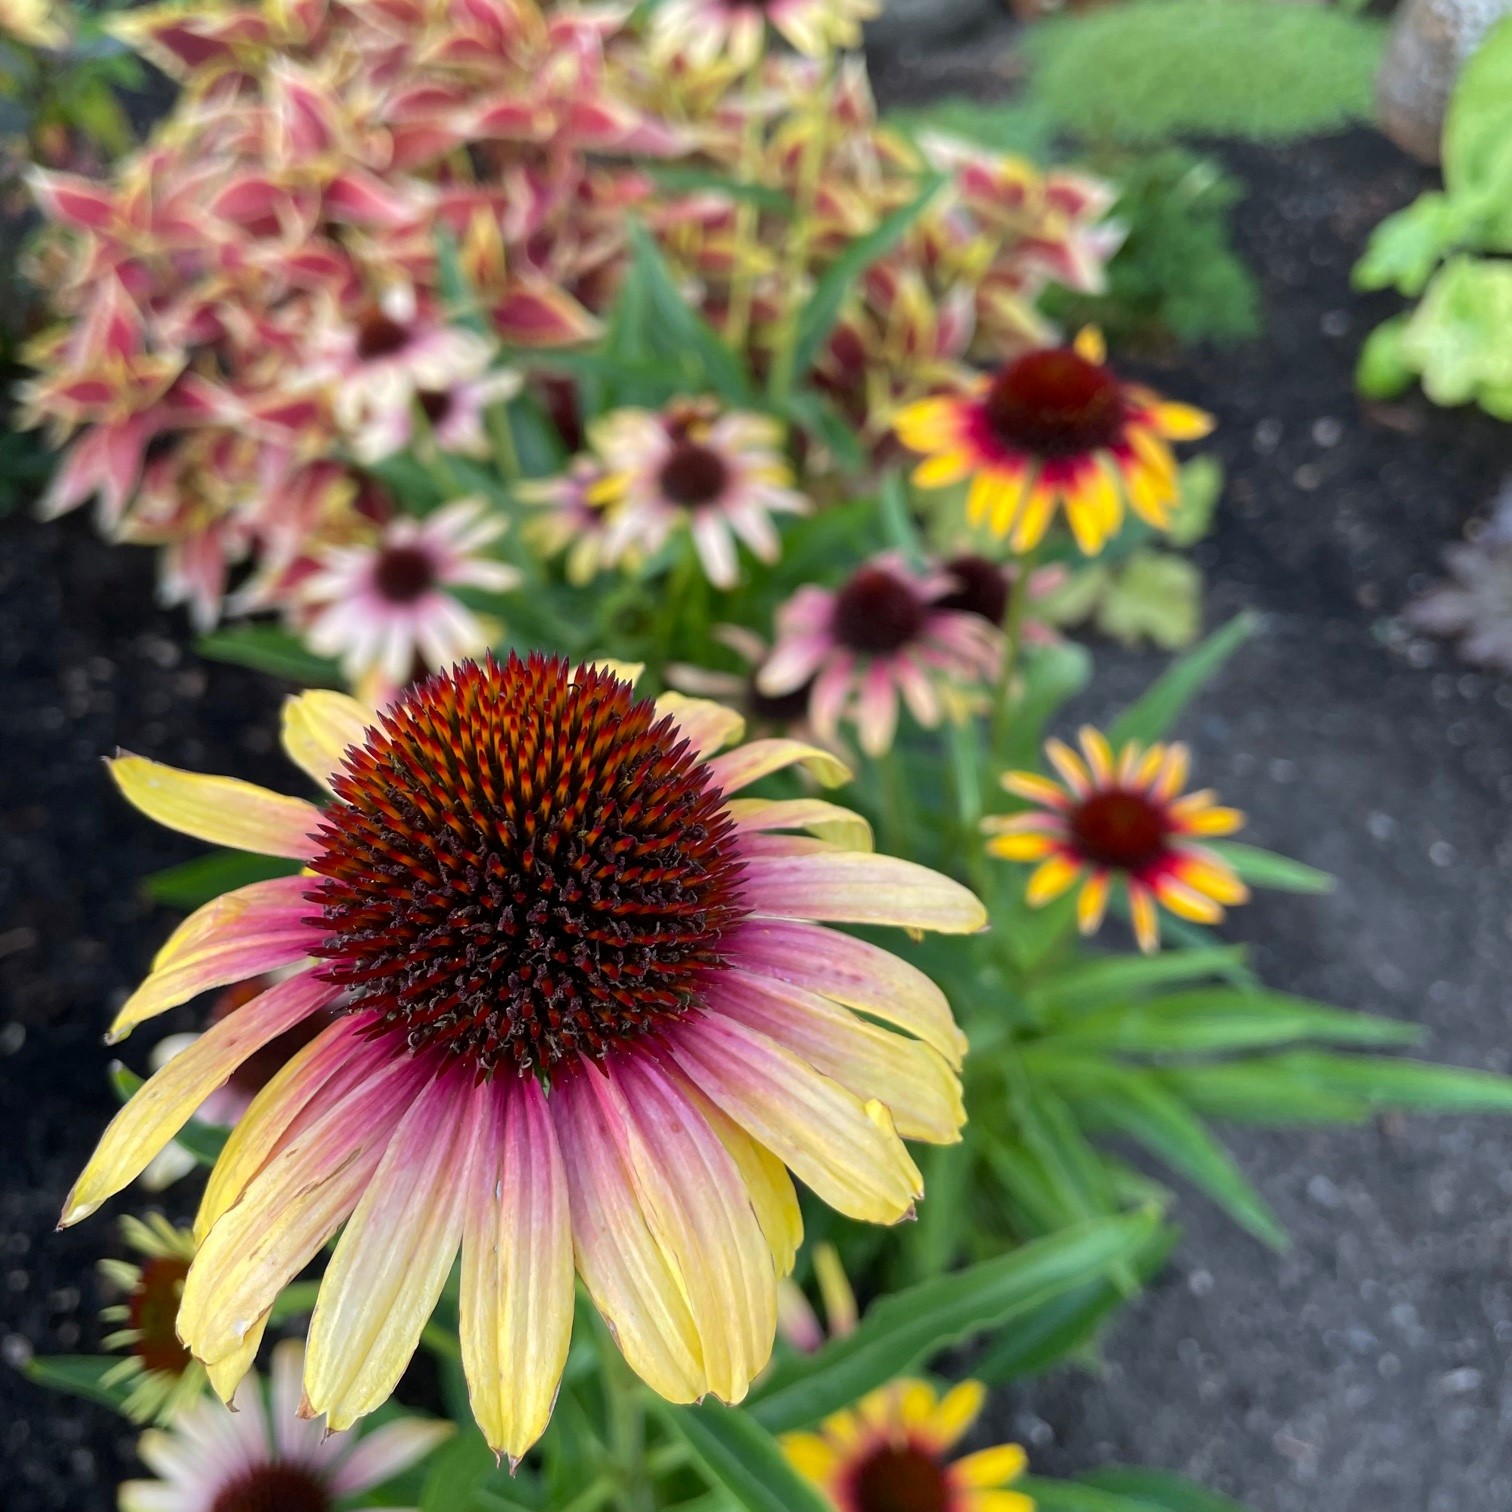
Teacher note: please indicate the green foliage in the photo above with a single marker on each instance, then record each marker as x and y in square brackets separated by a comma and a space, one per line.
[1150, 70]
[210, 875]
[1176, 276]
[1020, 126]
[1446, 249]
[269, 648]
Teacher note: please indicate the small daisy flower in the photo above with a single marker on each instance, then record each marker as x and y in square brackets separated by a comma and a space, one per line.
[891, 1453]
[565, 521]
[720, 476]
[1056, 426]
[1121, 815]
[258, 1454]
[164, 1376]
[590, 1014]
[705, 30]
[882, 634]
[381, 606]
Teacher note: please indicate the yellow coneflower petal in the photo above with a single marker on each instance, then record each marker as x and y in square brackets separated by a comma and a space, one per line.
[929, 425]
[1150, 495]
[709, 726]
[1023, 847]
[1034, 519]
[845, 1149]
[1090, 345]
[1146, 921]
[843, 887]
[1099, 754]
[988, 1469]
[812, 1456]
[1069, 765]
[760, 758]
[958, 1409]
[1035, 788]
[839, 826]
[626, 1271]
[942, 469]
[1050, 879]
[1086, 511]
[913, 1402]
[998, 1501]
[1128, 763]
[319, 727]
[1156, 455]
[393, 1258]
[835, 1291]
[1214, 878]
[225, 1375]
[1172, 777]
[219, 810]
[919, 1088]
[1187, 903]
[1035, 821]
[1150, 766]
[1092, 903]
[1102, 497]
[168, 1099]
[991, 494]
[1182, 422]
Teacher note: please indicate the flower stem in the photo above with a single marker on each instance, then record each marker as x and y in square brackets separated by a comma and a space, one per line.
[501, 434]
[1013, 638]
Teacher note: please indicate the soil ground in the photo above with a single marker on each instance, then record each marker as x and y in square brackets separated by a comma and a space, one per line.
[1366, 1370]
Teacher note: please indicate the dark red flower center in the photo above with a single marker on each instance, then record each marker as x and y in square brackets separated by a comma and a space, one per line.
[379, 335]
[404, 574]
[152, 1310]
[694, 475]
[435, 404]
[525, 864]
[1121, 830]
[981, 588]
[878, 612]
[274, 1488]
[1054, 403]
[900, 1478]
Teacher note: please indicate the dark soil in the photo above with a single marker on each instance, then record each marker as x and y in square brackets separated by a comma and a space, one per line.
[1366, 1371]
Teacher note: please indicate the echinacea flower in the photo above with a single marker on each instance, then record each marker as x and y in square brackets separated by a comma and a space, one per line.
[703, 30]
[164, 1376]
[882, 633]
[1056, 426]
[565, 521]
[720, 476]
[590, 1014]
[379, 606]
[258, 1455]
[1121, 815]
[891, 1454]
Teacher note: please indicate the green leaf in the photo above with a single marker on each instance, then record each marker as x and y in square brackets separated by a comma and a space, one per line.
[1074, 1496]
[911, 1326]
[1383, 1082]
[1052, 676]
[1201, 487]
[207, 877]
[740, 1455]
[456, 1471]
[1212, 1020]
[1477, 143]
[80, 1376]
[1266, 869]
[1406, 247]
[817, 318]
[1151, 716]
[681, 326]
[684, 179]
[1019, 126]
[1154, 596]
[1086, 984]
[1383, 371]
[267, 648]
[1171, 1493]
[203, 1141]
[1457, 337]
[1259, 1091]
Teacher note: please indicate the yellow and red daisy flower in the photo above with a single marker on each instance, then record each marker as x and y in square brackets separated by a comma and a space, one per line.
[589, 1015]
[1056, 426]
[891, 1454]
[1121, 815]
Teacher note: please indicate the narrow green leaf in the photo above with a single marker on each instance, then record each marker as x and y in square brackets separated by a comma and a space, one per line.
[1389, 1082]
[1171, 1493]
[1266, 869]
[1211, 1020]
[1151, 716]
[738, 1453]
[80, 1376]
[455, 1472]
[818, 317]
[1075, 1496]
[1087, 984]
[267, 648]
[913, 1325]
[207, 877]
[1259, 1091]
[683, 327]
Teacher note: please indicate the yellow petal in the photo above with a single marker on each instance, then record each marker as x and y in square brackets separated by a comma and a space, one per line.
[1146, 923]
[845, 887]
[517, 1295]
[1090, 346]
[1186, 903]
[1182, 422]
[1050, 879]
[814, 1458]
[1068, 764]
[997, 1501]
[1092, 903]
[831, 823]
[941, 470]
[1099, 754]
[957, 1411]
[1035, 788]
[760, 758]
[1170, 780]
[319, 727]
[1215, 878]
[1022, 847]
[227, 1374]
[708, 725]
[930, 425]
[989, 1468]
[1035, 518]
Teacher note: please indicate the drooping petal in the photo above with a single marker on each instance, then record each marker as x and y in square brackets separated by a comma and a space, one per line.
[846, 888]
[760, 758]
[392, 1260]
[621, 1264]
[220, 810]
[168, 1099]
[828, 821]
[516, 1303]
[845, 1149]
[854, 973]
[710, 726]
[319, 727]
